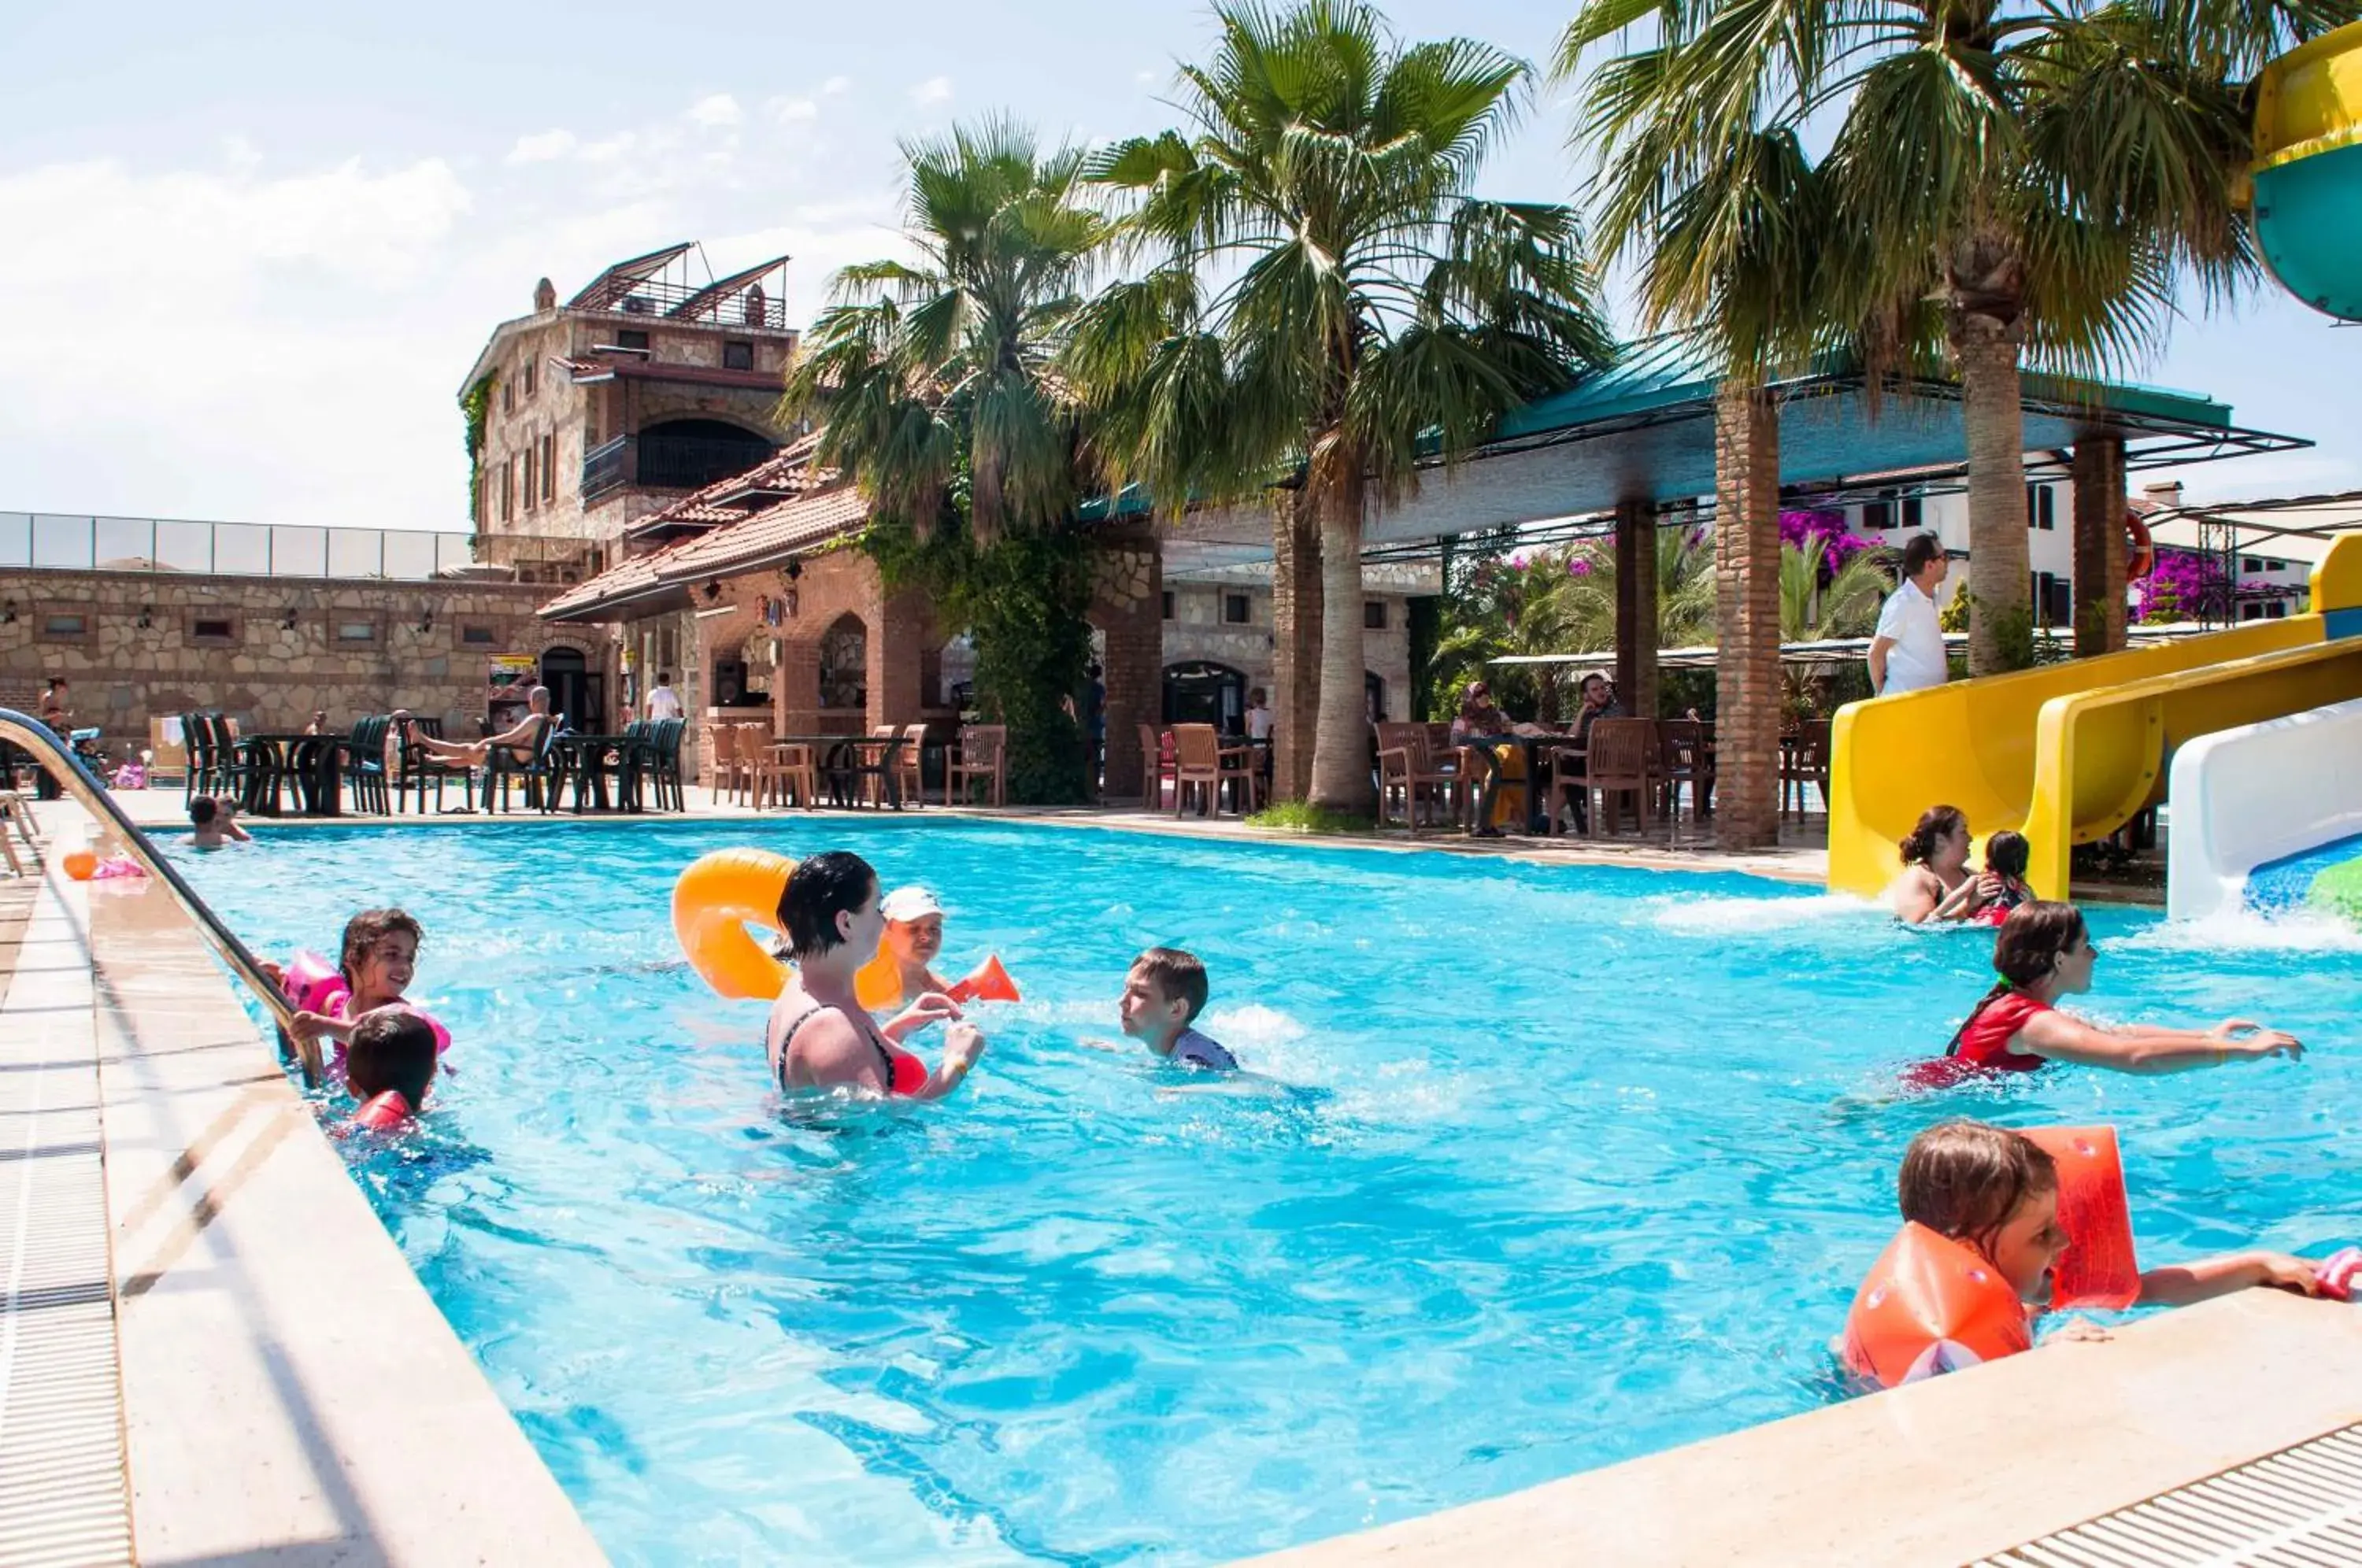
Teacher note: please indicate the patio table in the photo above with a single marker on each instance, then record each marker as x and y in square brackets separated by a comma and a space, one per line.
[1537, 817]
[311, 766]
[844, 760]
[585, 756]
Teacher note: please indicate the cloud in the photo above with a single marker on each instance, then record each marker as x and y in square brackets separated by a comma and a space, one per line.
[933, 90]
[837, 87]
[717, 111]
[540, 148]
[791, 111]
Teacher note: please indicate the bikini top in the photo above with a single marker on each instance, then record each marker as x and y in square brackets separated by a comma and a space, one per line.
[905, 1075]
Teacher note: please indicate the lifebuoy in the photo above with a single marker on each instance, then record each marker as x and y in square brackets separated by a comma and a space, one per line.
[1931, 1305]
[2141, 560]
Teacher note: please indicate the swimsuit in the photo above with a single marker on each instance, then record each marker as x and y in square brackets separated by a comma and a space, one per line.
[1191, 1049]
[1983, 1044]
[905, 1075]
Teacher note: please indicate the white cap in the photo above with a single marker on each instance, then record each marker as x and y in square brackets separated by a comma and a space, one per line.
[910, 903]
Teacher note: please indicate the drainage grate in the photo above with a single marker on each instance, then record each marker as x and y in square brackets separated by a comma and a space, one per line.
[63, 1496]
[2300, 1508]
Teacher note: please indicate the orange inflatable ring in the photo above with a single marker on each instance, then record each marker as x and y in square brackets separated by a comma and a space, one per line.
[2141, 560]
[714, 901]
[878, 985]
[1932, 1305]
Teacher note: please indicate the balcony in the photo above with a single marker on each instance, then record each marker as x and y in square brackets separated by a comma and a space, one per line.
[655, 298]
[657, 461]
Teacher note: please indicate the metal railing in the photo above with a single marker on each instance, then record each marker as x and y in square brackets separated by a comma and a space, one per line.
[659, 461]
[653, 300]
[50, 752]
[232, 550]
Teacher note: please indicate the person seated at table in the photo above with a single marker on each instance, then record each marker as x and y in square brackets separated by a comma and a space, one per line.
[215, 823]
[523, 738]
[819, 1036]
[1480, 722]
[1598, 702]
[1164, 992]
[319, 724]
[1935, 884]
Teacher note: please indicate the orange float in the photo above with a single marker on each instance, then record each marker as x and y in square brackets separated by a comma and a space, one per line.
[878, 985]
[2141, 559]
[712, 904]
[1932, 1305]
[80, 865]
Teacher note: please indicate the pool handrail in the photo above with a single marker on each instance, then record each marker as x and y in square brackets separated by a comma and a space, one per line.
[52, 753]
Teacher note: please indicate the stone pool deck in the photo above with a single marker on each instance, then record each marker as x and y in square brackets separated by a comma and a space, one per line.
[251, 1411]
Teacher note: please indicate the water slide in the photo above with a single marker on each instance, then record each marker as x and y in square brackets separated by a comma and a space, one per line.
[2308, 171]
[2069, 753]
[2265, 814]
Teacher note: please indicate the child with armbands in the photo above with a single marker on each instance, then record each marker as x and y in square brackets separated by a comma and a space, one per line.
[1998, 1227]
[380, 956]
[2000, 887]
[389, 1061]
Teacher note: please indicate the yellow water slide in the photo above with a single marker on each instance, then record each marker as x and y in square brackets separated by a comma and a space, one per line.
[2068, 752]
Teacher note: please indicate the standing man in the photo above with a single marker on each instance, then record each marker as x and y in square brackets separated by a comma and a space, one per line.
[1907, 653]
[664, 703]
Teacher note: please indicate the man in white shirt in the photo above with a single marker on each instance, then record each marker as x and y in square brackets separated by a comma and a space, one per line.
[1907, 653]
[664, 703]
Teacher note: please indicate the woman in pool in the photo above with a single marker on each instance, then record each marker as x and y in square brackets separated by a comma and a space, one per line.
[2043, 953]
[1935, 884]
[818, 1037]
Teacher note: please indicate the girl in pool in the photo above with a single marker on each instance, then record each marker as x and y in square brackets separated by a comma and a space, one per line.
[377, 961]
[2044, 953]
[1996, 1192]
[2002, 886]
[819, 1036]
[1935, 884]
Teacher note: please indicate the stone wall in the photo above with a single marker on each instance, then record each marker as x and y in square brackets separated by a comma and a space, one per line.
[226, 643]
[1199, 631]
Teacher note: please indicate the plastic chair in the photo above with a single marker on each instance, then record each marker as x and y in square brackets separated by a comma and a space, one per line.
[909, 765]
[1805, 760]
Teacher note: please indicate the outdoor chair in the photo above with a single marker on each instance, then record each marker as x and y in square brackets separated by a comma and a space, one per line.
[910, 764]
[167, 759]
[196, 746]
[541, 773]
[664, 763]
[1685, 759]
[233, 761]
[1805, 760]
[1621, 760]
[727, 773]
[365, 769]
[1407, 770]
[420, 767]
[788, 774]
[873, 775]
[1201, 758]
[753, 740]
[982, 758]
[1155, 766]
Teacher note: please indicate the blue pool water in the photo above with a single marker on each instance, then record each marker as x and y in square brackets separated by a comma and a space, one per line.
[1542, 1168]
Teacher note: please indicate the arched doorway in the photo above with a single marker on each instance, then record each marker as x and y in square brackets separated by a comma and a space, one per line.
[689, 454]
[1203, 693]
[844, 670]
[575, 689]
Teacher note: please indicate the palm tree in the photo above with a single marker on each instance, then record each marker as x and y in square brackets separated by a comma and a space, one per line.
[940, 371]
[1818, 603]
[936, 380]
[1326, 299]
[2007, 178]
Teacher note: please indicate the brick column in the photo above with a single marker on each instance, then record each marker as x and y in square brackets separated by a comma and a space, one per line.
[1635, 607]
[1128, 608]
[1295, 645]
[2101, 549]
[899, 634]
[795, 688]
[1746, 595]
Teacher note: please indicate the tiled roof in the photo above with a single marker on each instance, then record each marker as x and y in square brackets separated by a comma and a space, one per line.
[629, 367]
[788, 470]
[790, 527]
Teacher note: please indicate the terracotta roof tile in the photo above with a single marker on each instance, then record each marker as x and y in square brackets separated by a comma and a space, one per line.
[801, 523]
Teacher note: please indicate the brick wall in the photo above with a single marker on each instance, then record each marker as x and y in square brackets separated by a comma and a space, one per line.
[224, 642]
[1747, 574]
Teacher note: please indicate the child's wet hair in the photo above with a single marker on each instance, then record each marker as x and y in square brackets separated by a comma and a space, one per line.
[203, 809]
[1964, 1180]
[1177, 976]
[2007, 854]
[368, 928]
[393, 1048]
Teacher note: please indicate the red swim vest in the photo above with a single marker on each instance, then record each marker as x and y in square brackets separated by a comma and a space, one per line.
[1983, 1044]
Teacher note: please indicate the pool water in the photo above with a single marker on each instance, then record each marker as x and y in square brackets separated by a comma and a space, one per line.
[1539, 1169]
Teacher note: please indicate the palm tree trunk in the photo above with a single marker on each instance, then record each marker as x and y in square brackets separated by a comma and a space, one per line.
[1341, 743]
[2001, 612]
[1295, 642]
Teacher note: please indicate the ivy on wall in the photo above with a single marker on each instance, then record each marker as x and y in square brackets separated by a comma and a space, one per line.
[1024, 600]
[476, 404]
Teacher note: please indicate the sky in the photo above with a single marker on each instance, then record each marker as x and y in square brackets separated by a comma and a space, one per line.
[248, 253]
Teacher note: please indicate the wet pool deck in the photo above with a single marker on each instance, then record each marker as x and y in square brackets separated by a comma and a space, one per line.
[264, 1416]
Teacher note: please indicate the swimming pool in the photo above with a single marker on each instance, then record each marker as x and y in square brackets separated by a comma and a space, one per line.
[1558, 1167]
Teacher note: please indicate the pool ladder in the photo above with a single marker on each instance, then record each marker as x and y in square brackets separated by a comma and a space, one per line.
[79, 781]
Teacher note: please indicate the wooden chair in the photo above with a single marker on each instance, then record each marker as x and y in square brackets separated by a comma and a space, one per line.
[1406, 768]
[720, 745]
[1685, 759]
[1197, 759]
[1238, 765]
[982, 756]
[1621, 759]
[909, 767]
[1805, 760]
[1155, 766]
[789, 774]
[873, 786]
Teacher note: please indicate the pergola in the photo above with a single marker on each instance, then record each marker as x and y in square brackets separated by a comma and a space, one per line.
[1658, 433]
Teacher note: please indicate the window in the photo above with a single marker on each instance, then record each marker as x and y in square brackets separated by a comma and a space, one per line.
[528, 377]
[549, 468]
[1168, 604]
[212, 631]
[1877, 516]
[477, 635]
[356, 631]
[2251, 611]
[65, 625]
[508, 397]
[737, 356]
[2251, 563]
[632, 337]
[1914, 508]
[1234, 609]
[2276, 611]
[2041, 506]
[1373, 614]
[508, 490]
[532, 469]
[2062, 600]
[2271, 565]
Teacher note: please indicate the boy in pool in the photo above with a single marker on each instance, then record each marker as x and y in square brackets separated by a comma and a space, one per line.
[216, 822]
[394, 1054]
[1163, 994]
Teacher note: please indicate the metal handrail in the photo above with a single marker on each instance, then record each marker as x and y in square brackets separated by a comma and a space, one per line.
[67, 769]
